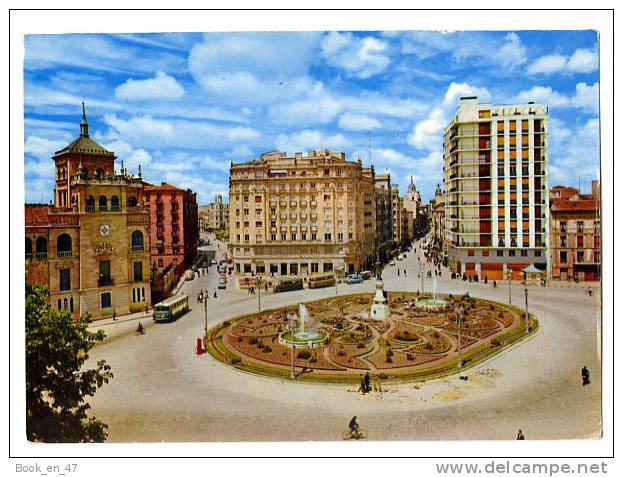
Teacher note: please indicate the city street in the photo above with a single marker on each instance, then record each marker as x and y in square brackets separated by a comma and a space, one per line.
[163, 391]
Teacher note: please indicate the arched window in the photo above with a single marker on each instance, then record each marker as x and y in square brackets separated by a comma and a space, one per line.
[137, 240]
[42, 248]
[28, 249]
[99, 173]
[114, 203]
[103, 203]
[132, 201]
[90, 204]
[63, 246]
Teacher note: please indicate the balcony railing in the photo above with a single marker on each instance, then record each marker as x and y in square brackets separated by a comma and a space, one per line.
[64, 254]
[105, 282]
[90, 208]
[41, 255]
[138, 248]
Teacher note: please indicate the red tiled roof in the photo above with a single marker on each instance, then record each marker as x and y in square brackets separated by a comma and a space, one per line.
[162, 187]
[36, 215]
[564, 191]
[574, 205]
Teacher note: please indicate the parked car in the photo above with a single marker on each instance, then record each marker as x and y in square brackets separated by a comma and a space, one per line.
[392, 264]
[365, 274]
[222, 284]
[354, 278]
[213, 262]
[190, 275]
[399, 256]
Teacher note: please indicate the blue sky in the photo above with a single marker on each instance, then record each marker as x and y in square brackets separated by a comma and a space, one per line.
[183, 105]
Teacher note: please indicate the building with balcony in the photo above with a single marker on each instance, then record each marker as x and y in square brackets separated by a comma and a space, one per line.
[91, 247]
[301, 215]
[384, 216]
[174, 235]
[414, 206]
[575, 233]
[437, 208]
[216, 215]
[496, 196]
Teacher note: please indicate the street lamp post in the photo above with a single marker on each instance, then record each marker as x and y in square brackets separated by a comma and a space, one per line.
[335, 273]
[509, 275]
[527, 316]
[292, 327]
[259, 293]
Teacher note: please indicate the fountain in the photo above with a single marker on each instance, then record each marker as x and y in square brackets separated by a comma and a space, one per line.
[303, 337]
[432, 302]
[380, 308]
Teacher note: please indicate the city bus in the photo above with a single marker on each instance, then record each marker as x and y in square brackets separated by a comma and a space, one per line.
[319, 281]
[171, 308]
[288, 284]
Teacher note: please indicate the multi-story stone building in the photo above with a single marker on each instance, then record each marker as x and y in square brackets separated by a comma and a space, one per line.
[496, 196]
[575, 233]
[397, 216]
[90, 247]
[384, 217]
[174, 236]
[301, 214]
[437, 208]
[218, 214]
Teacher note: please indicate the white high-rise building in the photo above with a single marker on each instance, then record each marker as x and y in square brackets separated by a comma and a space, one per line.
[496, 194]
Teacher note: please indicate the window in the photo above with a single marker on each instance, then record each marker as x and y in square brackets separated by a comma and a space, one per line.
[314, 267]
[524, 253]
[103, 203]
[137, 241]
[114, 203]
[28, 249]
[64, 278]
[293, 237]
[580, 240]
[313, 237]
[327, 237]
[71, 304]
[511, 253]
[63, 246]
[303, 236]
[580, 256]
[563, 256]
[470, 252]
[273, 237]
[160, 263]
[105, 300]
[90, 204]
[537, 253]
[340, 237]
[104, 273]
[283, 237]
[327, 267]
[42, 248]
[138, 271]
[258, 199]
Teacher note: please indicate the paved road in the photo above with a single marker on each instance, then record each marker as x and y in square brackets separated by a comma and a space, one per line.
[162, 391]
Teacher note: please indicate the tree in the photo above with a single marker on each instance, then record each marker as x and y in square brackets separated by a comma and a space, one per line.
[56, 383]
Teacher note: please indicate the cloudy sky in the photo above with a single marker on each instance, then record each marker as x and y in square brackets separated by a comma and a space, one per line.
[185, 105]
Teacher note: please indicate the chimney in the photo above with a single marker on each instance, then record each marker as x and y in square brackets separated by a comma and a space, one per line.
[595, 189]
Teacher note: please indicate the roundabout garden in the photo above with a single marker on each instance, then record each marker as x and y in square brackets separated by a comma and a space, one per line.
[414, 342]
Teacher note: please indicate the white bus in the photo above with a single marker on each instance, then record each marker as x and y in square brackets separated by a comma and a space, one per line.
[171, 308]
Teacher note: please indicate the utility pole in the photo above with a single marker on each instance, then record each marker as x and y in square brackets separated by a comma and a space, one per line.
[527, 316]
[259, 293]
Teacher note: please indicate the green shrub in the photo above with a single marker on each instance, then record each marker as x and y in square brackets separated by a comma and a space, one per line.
[226, 323]
[304, 354]
[266, 349]
[253, 340]
[410, 357]
[389, 359]
[383, 376]
[496, 342]
[428, 346]
[236, 360]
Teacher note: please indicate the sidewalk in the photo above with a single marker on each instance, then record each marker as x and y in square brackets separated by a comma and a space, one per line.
[123, 324]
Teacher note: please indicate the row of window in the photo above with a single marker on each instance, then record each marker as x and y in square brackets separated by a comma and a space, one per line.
[64, 246]
[500, 253]
[579, 256]
[286, 269]
[103, 203]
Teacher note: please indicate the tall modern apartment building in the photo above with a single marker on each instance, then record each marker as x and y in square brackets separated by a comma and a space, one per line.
[302, 214]
[496, 194]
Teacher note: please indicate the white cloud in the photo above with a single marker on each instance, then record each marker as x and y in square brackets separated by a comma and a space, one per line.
[586, 97]
[358, 122]
[548, 64]
[162, 86]
[456, 90]
[581, 61]
[360, 57]
[258, 68]
[574, 154]
[43, 148]
[240, 151]
[309, 139]
[320, 110]
[512, 53]
[428, 132]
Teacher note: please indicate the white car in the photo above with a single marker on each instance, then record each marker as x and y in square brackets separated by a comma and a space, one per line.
[392, 264]
[213, 262]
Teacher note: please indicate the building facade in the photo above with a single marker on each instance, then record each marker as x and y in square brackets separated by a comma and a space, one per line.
[397, 216]
[301, 214]
[90, 248]
[575, 233]
[413, 205]
[384, 216]
[437, 208]
[496, 196]
[174, 236]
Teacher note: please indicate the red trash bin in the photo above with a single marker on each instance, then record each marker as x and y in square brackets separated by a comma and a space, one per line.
[199, 347]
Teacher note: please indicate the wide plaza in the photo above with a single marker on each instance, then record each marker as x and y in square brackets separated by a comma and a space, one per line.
[163, 391]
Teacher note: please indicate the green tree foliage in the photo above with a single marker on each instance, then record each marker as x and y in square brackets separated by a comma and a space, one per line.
[56, 383]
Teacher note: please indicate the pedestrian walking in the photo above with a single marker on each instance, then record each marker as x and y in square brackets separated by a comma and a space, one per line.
[586, 376]
[590, 291]
[366, 382]
[114, 315]
[520, 436]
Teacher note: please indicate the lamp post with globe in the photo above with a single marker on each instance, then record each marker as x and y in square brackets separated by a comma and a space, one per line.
[459, 310]
[292, 328]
